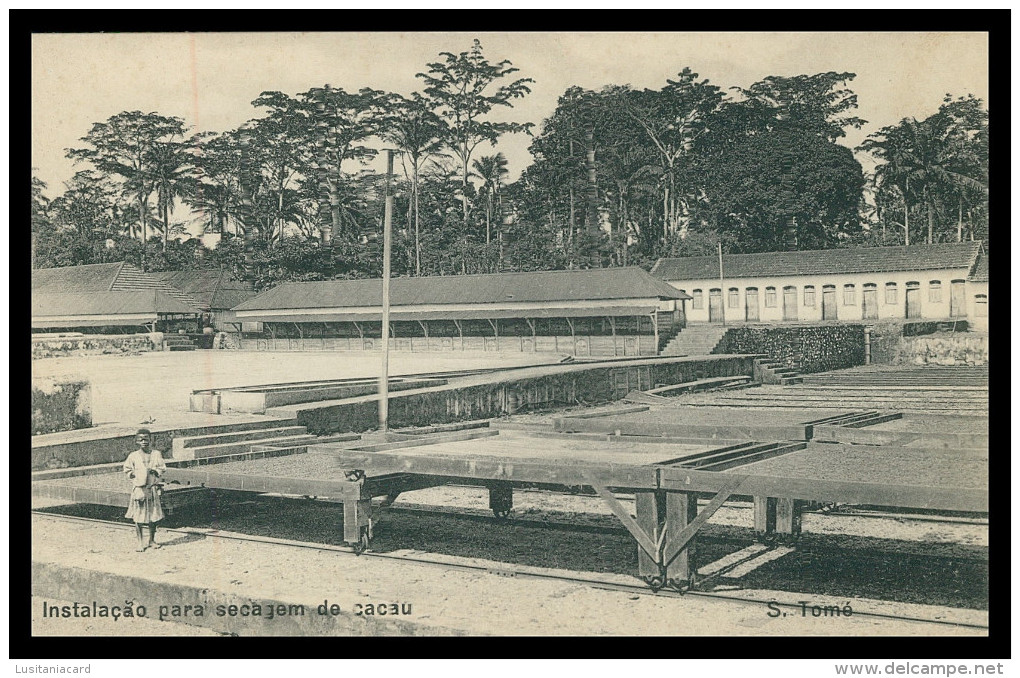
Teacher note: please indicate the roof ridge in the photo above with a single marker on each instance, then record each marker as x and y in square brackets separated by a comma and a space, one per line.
[116, 276]
[98, 263]
[829, 249]
[463, 275]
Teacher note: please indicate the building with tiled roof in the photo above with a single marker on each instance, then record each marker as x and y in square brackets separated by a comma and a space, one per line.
[216, 292]
[867, 283]
[618, 311]
[109, 298]
[977, 292]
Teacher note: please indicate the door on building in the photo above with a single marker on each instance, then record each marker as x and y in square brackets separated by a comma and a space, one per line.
[913, 300]
[789, 303]
[869, 302]
[957, 300]
[751, 297]
[829, 302]
[715, 308]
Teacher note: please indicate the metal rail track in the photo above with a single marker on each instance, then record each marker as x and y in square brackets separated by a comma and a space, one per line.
[838, 512]
[634, 589]
[585, 528]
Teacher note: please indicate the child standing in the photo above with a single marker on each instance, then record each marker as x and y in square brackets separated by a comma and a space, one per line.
[144, 467]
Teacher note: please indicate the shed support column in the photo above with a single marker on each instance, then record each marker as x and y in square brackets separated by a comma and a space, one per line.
[655, 329]
[534, 336]
[573, 338]
[612, 326]
[424, 328]
[460, 333]
[495, 331]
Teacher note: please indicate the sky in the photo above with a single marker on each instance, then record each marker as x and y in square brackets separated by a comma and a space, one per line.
[210, 79]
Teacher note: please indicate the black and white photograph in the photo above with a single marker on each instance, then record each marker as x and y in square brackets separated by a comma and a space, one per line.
[488, 333]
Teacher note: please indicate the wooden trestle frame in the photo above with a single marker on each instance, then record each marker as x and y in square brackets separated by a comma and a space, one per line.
[666, 493]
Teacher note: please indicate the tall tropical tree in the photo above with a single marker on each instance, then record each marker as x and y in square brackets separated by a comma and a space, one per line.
[216, 194]
[463, 89]
[419, 134]
[930, 162]
[674, 118]
[172, 178]
[123, 145]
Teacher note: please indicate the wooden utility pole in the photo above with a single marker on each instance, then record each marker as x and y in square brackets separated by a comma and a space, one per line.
[384, 375]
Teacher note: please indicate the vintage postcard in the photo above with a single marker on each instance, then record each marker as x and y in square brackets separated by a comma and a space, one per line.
[545, 334]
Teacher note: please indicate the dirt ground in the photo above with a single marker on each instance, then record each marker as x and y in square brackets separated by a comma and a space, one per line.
[895, 559]
[476, 602]
[157, 385]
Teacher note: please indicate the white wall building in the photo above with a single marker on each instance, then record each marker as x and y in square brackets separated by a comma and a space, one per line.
[935, 282]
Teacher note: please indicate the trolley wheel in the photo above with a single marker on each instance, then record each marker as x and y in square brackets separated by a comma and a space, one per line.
[655, 583]
[681, 585]
[361, 545]
[501, 513]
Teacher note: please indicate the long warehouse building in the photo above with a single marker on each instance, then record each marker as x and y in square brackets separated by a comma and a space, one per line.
[597, 312]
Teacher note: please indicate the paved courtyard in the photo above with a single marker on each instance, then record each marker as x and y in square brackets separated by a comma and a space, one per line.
[133, 388]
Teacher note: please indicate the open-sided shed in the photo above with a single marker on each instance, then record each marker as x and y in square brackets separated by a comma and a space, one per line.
[621, 311]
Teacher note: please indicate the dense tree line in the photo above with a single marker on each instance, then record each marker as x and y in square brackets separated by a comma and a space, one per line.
[619, 176]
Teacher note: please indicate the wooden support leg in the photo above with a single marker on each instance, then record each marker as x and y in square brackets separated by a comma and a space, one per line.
[501, 498]
[764, 518]
[681, 509]
[680, 537]
[647, 505]
[644, 529]
[788, 518]
[358, 523]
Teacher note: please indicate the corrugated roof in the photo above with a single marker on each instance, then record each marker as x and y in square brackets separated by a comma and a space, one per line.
[821, 262]
[545, 286]
[212, 289]
[116, 277]
[477, 314]
[108, 303]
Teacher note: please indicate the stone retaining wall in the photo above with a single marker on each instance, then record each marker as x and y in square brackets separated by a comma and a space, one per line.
[96, 344]
[811, 348]
[942, 349]
[589, 386]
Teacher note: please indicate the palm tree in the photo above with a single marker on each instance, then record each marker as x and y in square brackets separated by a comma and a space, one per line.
[217, 205]
[171, 178]
[926, 162]
[419, 134]
[216, 194]
[490, 169]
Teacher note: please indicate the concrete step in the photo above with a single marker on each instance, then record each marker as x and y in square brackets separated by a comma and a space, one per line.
[784, 381]
[179, 444]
